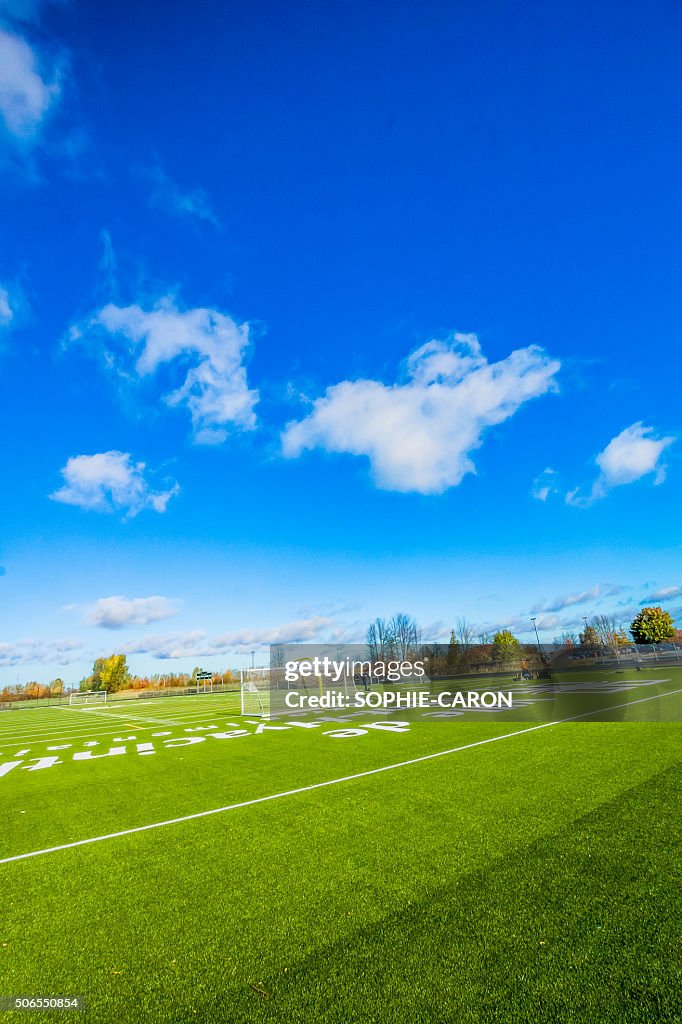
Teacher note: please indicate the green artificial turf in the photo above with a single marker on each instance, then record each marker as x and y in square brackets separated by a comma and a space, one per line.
[533, 878]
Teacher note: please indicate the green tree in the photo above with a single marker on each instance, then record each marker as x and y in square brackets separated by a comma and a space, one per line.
[116, 675]
[621, 639]
[590, 637]
[110, 674]
[94, 682]
[652, 626]
[506, 647]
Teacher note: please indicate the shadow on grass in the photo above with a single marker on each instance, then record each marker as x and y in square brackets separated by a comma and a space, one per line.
[578, 928]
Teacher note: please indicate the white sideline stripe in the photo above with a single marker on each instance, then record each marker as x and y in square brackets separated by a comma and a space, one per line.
[329, 782]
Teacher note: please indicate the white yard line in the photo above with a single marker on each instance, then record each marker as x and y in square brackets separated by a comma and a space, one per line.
[129, 718]
[81, 728]
[329, 782]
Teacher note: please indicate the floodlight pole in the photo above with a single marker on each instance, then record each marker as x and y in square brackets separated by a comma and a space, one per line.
[535, 627]
[252, 657]
[536, 631]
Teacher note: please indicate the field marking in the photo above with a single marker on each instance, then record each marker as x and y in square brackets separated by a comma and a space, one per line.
[80, 727]
[128, 718]
[329, 782]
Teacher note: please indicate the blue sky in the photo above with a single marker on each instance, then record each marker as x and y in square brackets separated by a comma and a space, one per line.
[311, 313]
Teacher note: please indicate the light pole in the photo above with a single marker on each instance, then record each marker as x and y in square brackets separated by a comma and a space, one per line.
[542, 657]
[535, 626]
[252, 657]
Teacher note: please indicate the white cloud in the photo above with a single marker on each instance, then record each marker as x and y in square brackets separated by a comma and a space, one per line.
[517, 624]
[25, 97]
[419, 435]
[168, 196]
[170, 645]
[110, 482]
[197, 644]
[545, 622]
[437, 631]
[568, 600]
[6, 311]
[631, 455]
[21, 652]
[108, 266]
[663, 594]
[14, 306]
[545, 483]
[215, 388]
[116, 612]
[289, 632]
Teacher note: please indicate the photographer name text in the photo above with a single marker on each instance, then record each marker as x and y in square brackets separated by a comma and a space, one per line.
[395, 699]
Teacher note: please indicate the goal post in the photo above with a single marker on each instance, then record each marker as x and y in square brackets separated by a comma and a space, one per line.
[255, 692]
[88, 697]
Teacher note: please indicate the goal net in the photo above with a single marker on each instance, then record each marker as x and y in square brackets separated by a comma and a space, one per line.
[89, 697]
[255, 692]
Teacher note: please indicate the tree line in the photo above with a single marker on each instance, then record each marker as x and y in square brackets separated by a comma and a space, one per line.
[397, 638]
[651, 625]
[113, 675]
[33, 691]
[400, 638]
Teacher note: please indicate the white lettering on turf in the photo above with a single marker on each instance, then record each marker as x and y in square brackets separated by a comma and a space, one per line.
[42, 762]
[85, 755]
[327, 782]
[147, 748]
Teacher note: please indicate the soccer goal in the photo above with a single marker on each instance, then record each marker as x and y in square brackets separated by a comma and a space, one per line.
[89, 697]
[255, 691]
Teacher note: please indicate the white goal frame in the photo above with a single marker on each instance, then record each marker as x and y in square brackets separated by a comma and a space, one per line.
[88, 697]
[251, 694]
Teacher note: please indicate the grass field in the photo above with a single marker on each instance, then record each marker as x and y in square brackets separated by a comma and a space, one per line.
[531, 873]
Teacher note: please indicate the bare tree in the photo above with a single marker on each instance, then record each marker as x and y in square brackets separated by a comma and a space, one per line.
[464, 633]
[398, 637]
[380, 640]
[372, 641]
[277, 663]
[606, 628]
[406, 635]
[277, 656]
